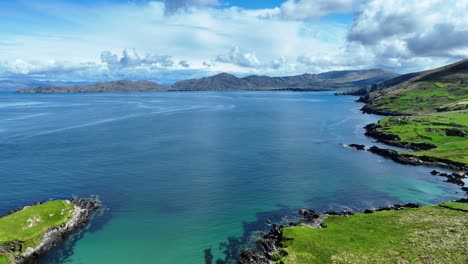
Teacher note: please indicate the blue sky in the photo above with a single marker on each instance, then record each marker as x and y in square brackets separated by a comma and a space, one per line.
[167, 41]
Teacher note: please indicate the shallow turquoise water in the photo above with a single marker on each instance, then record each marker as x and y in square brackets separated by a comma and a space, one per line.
[182, 172]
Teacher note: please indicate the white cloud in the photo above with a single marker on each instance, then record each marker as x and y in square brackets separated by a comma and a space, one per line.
[235, 56]
[145, 43]
[403, 32]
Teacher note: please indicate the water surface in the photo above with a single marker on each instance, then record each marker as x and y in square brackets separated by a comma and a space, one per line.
[182, 172]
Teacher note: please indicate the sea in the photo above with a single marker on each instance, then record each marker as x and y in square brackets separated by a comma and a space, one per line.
[191, 177]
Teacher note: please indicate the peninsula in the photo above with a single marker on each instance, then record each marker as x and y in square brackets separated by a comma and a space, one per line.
[30, 232]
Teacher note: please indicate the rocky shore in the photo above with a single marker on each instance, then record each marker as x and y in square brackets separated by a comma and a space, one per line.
[82, 213]
[269, 246]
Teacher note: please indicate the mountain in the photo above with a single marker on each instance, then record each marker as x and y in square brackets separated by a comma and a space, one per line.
[306, 82]
[441, 89]
[117, 86]
[225, 82]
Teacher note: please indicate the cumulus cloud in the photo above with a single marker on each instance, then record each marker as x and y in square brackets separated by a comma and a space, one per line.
[131, 58]
[172, 6]
[303, 9]
[184, 64]
[235, 56]
[441, 40]
[401, 31]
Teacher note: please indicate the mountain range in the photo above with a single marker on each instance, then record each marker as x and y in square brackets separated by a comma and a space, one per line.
[221, 82]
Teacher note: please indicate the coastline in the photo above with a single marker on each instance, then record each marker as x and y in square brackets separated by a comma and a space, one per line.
[83, 211]
[269, 247]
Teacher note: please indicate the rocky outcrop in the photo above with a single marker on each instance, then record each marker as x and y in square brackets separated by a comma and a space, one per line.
[408, 159]
[357, 146]
[455, 177]
[84, 209]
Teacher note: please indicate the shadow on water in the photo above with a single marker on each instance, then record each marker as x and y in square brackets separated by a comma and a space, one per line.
[251, 233]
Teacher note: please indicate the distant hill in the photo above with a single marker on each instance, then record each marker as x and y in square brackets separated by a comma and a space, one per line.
[17, 84]
[305, 82]
[117, 86]
[225, 82]
[441, 89]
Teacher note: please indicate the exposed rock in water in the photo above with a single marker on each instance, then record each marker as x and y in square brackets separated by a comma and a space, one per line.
[358, 146]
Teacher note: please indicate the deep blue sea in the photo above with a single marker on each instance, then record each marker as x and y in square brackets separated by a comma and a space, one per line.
[180, 173]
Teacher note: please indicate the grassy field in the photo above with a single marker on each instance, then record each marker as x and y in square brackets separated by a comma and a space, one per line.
[430, 234]
[28, 225]
[421, 98]
[447, 130]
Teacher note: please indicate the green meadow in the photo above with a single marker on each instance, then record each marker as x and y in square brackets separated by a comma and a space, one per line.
[430, 234]
[28, 226]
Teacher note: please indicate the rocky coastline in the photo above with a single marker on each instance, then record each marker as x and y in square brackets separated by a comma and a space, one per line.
[374, 131]
[269, 247]
[82, 214]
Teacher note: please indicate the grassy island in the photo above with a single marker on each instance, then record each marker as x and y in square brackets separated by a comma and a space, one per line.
[27, 227]
[429, 234]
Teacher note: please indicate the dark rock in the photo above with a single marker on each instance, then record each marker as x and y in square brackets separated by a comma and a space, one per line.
[309, 214]
[357, 146]
[434, 172]
[369, 211]
[458, 174]
[453, 132]
[268, 221]
[422, 146]
[456, 181]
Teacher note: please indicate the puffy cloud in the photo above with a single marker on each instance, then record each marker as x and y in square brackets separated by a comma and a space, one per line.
[172, 6]
[441, 40]
[303, 9]
[235, 56]
[184, 64]
[131, 58]
[109, 58]
[402, 31]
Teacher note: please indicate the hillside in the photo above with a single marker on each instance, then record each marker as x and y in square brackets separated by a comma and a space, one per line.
[225, 82]
[307, 82]
[117, 86]
[435, 106]
[441, 89]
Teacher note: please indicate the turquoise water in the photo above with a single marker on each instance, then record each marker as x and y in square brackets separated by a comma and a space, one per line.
[183, 172]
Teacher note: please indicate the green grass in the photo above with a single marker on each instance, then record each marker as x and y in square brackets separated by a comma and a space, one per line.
[29, 225]
[454, 205]
[430, 234]
[432, 129]
[420, 97]
[3, 259]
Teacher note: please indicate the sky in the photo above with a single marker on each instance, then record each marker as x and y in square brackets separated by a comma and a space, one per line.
[167, 41]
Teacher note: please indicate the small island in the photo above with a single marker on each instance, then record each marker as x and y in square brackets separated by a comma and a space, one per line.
[31, 231]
